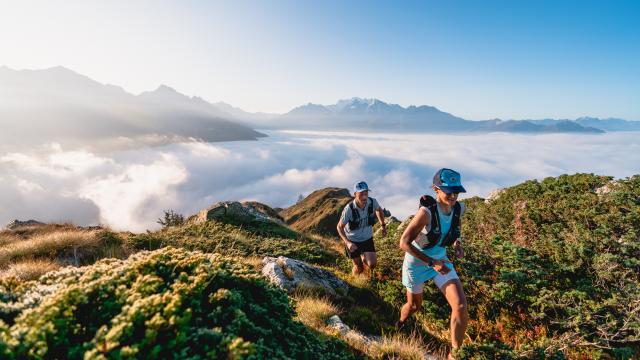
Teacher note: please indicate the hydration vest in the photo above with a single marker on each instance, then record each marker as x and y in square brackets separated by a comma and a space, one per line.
[434, 233]
[354, 223]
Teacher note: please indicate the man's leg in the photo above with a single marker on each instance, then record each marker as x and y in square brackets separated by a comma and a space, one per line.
[452, 290]
[414, 303]
[358, 266]
[370, 261]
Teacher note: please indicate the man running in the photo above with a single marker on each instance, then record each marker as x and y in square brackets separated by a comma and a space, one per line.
[356, 228]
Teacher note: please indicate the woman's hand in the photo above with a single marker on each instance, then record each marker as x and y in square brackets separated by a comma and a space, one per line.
[439, 266]
[457, 248]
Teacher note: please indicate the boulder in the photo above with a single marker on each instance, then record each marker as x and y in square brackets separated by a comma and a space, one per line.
[290, 274]
[265, 210]
[350, 335]
[15, 224]
[245, 212]
[606, 189]
[494, 195]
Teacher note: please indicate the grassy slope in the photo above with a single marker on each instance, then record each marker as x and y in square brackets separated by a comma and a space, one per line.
[319, 212]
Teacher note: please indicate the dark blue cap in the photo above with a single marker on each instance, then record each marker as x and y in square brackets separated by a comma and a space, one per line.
[360, 186]
[448, 181]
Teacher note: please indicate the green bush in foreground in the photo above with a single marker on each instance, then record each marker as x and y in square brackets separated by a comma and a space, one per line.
[169, 303]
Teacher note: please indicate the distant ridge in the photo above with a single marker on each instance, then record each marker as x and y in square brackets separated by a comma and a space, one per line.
[374, 114]
[58, 104]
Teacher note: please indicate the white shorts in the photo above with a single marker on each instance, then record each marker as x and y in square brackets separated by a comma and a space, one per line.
[417, 287]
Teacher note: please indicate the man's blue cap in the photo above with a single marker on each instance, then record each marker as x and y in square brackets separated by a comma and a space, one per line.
[360, 186]
[448, 181]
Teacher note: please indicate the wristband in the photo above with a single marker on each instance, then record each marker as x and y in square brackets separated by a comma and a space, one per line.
[430, 263]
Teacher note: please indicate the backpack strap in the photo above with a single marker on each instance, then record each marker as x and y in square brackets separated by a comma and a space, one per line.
[433, 235]
[371, 217]
[454, 231]
[354, 223]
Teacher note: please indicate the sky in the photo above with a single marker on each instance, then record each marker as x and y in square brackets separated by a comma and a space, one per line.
[129, 189]
[475, 59]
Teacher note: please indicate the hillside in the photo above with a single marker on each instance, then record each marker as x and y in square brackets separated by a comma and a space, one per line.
[319, 212]
[58, 104]
[550, 271]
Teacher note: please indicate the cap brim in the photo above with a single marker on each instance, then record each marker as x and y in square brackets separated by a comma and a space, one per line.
[452, 189]
[363, 190]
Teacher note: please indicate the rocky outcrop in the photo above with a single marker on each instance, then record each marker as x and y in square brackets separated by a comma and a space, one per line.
[264, 209]
[247, 211]
[494, 195]
[290, 274]
[319, 212]
[606, 189]
[15, 224]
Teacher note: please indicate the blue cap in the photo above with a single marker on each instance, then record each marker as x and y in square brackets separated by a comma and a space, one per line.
[448, 181]
[360, 186]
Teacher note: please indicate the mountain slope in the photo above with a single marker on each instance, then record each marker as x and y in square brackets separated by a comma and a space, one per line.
[319, 212]
[58, 104]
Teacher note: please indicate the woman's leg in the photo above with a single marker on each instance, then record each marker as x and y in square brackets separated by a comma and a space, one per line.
[452, 290]
[414, 303]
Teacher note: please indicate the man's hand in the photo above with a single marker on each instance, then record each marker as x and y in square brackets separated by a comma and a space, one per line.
[439, 266]
[351, 246]
[457, 248]
[384, 231]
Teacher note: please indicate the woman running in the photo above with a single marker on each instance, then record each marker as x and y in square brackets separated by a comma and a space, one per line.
[435, 226]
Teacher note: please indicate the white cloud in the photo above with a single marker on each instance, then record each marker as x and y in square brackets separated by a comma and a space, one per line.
[129, 189]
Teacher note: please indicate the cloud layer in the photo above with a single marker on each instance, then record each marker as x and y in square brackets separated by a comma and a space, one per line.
[128, 190]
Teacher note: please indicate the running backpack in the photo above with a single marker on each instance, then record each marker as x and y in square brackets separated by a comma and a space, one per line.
[354, 223]
[434, 233]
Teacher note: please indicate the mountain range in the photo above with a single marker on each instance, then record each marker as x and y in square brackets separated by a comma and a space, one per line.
[58, 104]
[367, 114]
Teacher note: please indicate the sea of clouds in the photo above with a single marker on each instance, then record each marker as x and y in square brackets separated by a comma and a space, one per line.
[129, 189]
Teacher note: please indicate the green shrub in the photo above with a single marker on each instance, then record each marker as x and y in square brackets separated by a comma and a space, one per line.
[170, 303]
[556, 261]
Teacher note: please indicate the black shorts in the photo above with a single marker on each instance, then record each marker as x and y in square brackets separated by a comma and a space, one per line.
[363, 247]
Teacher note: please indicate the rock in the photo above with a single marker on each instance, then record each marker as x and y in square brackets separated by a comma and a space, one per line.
[356, 337]
[494, 195]
[265, 210]
[403, 225]
[606, 189]
[15, 224]
[250, 211]
[336, 323]
[290, 274]
[388, 220]
[352, 336]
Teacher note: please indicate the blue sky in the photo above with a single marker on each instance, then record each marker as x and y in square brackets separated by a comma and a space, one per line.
[476, 59]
